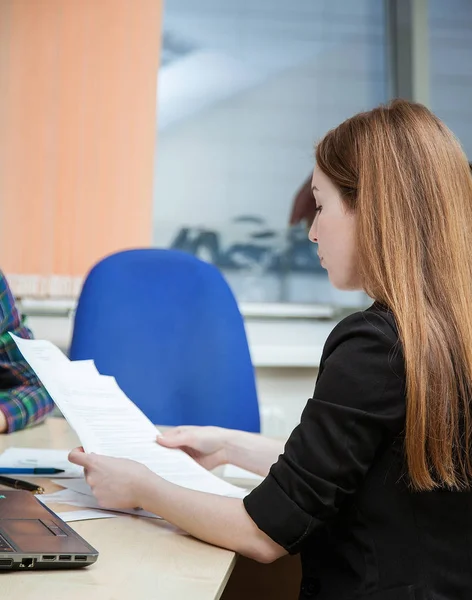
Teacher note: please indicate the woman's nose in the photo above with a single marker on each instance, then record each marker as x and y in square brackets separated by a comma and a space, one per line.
[312, 234]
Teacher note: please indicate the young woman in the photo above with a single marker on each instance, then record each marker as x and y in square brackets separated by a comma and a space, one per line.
[373, 487]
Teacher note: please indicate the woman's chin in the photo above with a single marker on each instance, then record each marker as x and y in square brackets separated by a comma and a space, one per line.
[342, 284]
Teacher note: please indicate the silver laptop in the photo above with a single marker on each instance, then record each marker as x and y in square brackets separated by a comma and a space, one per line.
[33, 537]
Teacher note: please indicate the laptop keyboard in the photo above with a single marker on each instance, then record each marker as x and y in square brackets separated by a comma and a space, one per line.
[4, 545]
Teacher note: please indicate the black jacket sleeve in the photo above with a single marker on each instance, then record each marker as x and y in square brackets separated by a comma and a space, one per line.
[359, 401]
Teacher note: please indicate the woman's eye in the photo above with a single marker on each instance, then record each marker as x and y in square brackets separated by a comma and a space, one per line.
[318, 209]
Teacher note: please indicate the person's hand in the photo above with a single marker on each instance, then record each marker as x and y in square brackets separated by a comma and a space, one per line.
[207, 445]
[115, 482]
[3, 422]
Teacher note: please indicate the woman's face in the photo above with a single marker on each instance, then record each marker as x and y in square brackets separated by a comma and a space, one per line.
[334, 229]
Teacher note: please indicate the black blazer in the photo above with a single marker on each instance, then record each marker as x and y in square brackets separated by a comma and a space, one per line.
[338, 494]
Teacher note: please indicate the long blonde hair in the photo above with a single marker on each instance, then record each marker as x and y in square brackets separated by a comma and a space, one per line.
[406, 177]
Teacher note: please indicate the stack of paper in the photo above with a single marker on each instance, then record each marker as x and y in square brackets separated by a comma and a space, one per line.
[84, 515]
[108, 423]
[85, 499]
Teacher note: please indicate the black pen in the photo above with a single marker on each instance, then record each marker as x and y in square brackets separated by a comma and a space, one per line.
[18, 484]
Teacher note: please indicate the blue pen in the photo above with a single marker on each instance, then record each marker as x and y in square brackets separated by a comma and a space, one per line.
[31, 471]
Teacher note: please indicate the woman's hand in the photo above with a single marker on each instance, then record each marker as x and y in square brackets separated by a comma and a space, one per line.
[207, 445]
[122, 483]
[115, 482]
[214, 446]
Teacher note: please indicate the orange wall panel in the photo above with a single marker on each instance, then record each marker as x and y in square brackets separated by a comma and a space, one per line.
[78, 83]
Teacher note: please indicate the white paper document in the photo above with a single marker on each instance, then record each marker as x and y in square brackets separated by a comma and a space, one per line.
[84, 515]
[108, 423]
[84, 499]
[234, 472]
[34, 458]
[66, 496]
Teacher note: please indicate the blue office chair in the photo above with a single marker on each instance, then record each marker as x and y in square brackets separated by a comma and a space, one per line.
[167, 326]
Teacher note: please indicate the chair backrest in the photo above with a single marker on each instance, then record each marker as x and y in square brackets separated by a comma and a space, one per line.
[166, 325]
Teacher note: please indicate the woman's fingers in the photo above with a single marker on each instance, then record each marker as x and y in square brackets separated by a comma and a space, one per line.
[176, 437]
[79, 457]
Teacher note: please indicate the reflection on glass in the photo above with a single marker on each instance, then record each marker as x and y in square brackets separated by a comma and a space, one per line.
[245, 89]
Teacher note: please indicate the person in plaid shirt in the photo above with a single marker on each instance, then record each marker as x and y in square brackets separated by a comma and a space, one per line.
[23, 399]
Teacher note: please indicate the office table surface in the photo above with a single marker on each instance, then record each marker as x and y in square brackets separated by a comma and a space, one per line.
[138, 557]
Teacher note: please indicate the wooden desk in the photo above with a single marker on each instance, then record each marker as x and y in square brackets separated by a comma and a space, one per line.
[139, 558]
[143, 559]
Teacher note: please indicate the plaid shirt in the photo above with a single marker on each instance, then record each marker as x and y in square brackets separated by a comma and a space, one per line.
[23, 399]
